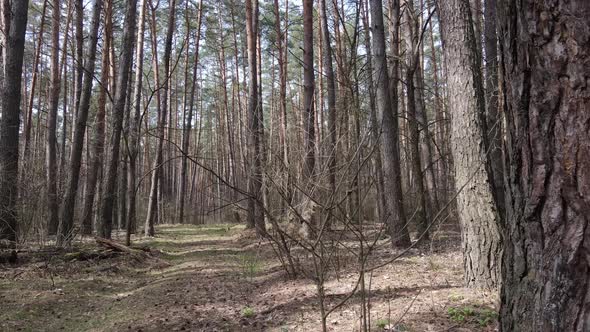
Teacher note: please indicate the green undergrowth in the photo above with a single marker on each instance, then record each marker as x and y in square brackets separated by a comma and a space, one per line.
[467, 314]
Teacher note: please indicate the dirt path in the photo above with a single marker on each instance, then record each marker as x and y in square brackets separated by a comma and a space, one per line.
[215, 282]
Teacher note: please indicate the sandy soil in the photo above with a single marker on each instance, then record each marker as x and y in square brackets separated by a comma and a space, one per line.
[215, 278]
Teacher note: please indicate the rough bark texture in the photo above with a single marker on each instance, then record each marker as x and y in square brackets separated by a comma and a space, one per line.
[10, 120]
[125, 62]
[389, 140]
[477, 209]
[546, 60]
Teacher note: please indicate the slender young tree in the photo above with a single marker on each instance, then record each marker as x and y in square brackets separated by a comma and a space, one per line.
[546, 60]
[308, 90]
[331, 90]
[157, 166]
[135, 127]
[29, 123]
[187, 126]
[389, 141]
[10, 89]
[51, 146]
[79, 21]
[125, 63]
[282, 64]
[478, 214]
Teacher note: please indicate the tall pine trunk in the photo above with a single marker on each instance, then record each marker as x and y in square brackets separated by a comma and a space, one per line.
[157, 166]
[394, 213]
[331, 90]
[478, 214]
[69, 203]
[98, 138]
[255, 211]
[135, 128]
[187, 126]
[13, 52]
[124, 68]
[51, 154]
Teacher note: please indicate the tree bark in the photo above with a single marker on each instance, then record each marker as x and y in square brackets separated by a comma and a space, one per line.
[69, 203]
[308, 91]
[157, 166]
[414, 120]
[125, 63]
[546, 60]
[29, 123]
[478, 214]
[331, 90]
[283, 137]
[187, 126]
[389, 140]
[135, 128]
[98, 138]
[51, 154]
[377, 164]
[255, 212]
[14, 43]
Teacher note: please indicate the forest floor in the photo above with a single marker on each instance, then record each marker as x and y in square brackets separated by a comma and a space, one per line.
[218, 278]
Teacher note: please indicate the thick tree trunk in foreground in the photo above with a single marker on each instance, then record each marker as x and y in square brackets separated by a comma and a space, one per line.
[546, 61]
[69, 204]
[394, 209]
[10, 120]
[478, 215]
[125, 63]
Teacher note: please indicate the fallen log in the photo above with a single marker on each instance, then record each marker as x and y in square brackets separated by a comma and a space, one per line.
[91, 255]
[117, 246]
[137, 254]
